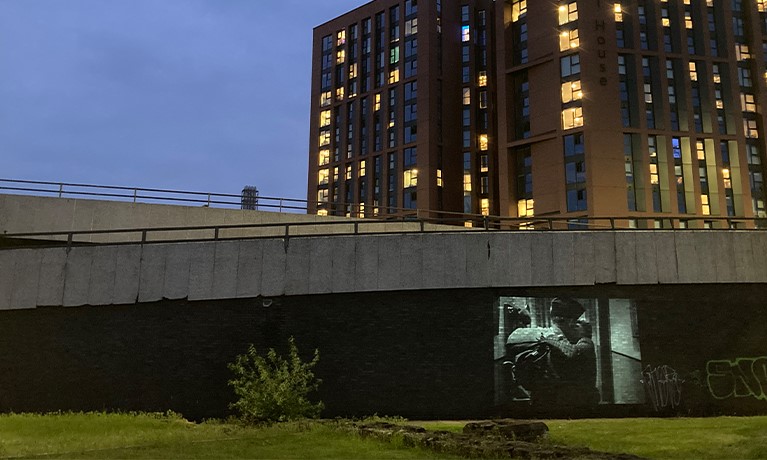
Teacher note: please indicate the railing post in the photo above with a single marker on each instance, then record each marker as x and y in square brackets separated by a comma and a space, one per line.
[281, 204]
[356, 227]
[612, 223]
[61, 190]
[215, 233]
[135, 194]
[486, 222]
[143, 236]
[208, 199]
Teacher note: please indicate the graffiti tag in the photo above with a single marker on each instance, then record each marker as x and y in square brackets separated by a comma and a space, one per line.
[741, 378]
[663, 385]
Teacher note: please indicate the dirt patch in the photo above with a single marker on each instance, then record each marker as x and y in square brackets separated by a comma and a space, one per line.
[488, 439]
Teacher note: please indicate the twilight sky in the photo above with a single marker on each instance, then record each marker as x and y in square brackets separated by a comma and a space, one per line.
[200, 95]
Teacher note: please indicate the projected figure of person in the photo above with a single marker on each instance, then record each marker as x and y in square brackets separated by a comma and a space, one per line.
[556, 365]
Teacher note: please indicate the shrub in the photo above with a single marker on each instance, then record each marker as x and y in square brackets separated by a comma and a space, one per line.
[271, 388]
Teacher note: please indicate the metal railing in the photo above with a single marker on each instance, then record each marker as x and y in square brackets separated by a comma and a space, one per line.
[146, 195]
[287, 230]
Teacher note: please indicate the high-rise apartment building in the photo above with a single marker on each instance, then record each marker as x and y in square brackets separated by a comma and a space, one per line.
[643, 108]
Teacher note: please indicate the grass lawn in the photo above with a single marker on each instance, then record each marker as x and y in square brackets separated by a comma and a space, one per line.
[658, 438]
[150, 436]
[156, 436]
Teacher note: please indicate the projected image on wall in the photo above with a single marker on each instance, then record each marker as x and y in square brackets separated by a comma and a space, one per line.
[564, 352]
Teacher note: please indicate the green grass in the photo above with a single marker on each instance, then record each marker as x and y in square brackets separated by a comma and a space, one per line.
[157, 436]
[667, 438]
[150, 436]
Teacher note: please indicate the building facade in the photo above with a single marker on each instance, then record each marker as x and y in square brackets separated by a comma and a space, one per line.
[646, 109]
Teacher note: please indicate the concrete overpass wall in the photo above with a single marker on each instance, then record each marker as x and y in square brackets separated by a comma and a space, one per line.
[134, 273]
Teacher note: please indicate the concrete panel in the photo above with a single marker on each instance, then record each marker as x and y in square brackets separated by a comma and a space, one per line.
[342, 263]
[201, 271]
[366, 264]
[249, 268]
[520, 259]
[50, 290]
[7, 264]
[77, 276]
[82, 218]
[177, 262]
[542, 259]
[563, 258]
[298, 269]
[434, 257]
[225, 269]
[759, 246]
[499, 264]
[706, 255]
[584, 262]
[388, 263]
[723, 250]
[605, 271]
[320, 265]
[687, 257]
[476, 251]
[745, 259]
[103, 270]
[625, 257]
[665, 254]
[152, 275]
[411, 262]
[127, 275]
[26, 276]
[274, 266]
[646, 253]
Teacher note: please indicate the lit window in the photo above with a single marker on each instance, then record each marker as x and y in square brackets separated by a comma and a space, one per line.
[348, 174]
[322, 197]
[410, 178]
[353, 70]
[693, 72]
[700, 151]
[411, 27]
[483, 141]
[571, 91]
[324, 118]
[568, 13]
[750, 128]
[467, 182]
[485, 206]
[618, 12]
[704, 205]
[341, 38]
[324, 138]
[741, 52]
[482, 78]
[466, 96]
[322, 212]
[726, 178]
[362, 170]
[340, 94]
[439, 178]
[340, 56]
[465, 33]
[518, 9]
[747, 102]
[568, 39]
[394, 76]
[687, 20]
[324, 157]
[326, 98]
[322, 177]
[526, 208]
[572, 118]
[378, 102]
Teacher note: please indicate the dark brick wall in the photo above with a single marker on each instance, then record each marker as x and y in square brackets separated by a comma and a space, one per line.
[417, 354]
[413, 354]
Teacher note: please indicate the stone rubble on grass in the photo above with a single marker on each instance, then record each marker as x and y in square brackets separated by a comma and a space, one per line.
[485, 439]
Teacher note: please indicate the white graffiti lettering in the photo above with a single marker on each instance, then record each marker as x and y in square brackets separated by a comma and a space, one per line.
[663, 385]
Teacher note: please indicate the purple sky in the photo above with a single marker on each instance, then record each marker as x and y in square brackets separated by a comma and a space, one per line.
[201, 95]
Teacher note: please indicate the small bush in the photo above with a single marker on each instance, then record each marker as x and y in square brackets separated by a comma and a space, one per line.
[274, 389]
